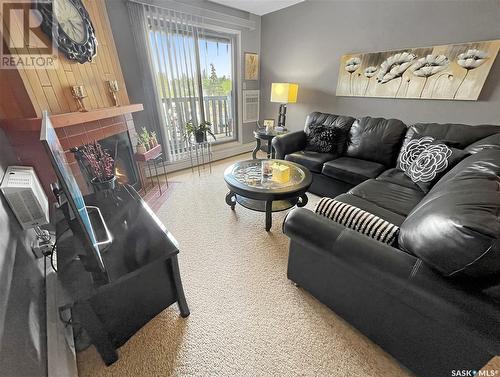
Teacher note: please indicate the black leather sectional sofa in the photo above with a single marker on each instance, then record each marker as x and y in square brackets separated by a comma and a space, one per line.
[432, 300]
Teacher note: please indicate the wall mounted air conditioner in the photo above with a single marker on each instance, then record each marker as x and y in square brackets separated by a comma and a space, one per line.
[251, 99]
[25, 196]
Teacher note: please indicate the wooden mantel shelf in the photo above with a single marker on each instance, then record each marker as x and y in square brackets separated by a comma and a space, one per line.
[69, 119]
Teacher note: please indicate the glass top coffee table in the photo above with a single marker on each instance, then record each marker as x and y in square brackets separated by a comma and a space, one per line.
[249, 188]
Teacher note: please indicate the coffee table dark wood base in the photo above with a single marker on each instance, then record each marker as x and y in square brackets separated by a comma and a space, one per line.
[267, 206]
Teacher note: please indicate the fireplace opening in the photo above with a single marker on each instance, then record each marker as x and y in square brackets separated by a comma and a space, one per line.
[119, 147]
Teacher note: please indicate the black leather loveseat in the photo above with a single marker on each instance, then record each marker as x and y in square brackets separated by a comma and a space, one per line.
[433, 299]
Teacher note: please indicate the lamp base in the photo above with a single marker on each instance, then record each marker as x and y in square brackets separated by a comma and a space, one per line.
[282, 115]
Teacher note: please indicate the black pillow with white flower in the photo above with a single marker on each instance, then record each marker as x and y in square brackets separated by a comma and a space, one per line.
[432, 163]
[412, 150]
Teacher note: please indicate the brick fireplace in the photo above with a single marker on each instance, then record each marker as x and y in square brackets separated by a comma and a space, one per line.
[74, 130]
[106, 131]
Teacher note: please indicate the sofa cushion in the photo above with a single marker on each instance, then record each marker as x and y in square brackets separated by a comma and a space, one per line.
[434, 161]
[376, 139]
[479, 162]
[456, 227]
[324, 139]
[393, 197]
[352, 170]
[357, 219]
[340, 122]
[398, 177]
[492, 141]
[412, 150]
[460, 135]
[312, 160]
[371, 207]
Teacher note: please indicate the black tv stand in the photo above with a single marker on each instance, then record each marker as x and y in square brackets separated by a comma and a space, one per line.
[142, 275]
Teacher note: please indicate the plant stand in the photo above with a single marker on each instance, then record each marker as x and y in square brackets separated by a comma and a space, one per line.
[202, 153]
[152, 157]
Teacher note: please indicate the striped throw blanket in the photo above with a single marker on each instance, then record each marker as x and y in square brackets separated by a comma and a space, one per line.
[357, 219]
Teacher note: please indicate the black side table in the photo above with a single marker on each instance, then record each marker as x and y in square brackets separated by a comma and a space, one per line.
[260, 135]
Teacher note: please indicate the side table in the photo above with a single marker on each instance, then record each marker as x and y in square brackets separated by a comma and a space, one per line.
[262, 134]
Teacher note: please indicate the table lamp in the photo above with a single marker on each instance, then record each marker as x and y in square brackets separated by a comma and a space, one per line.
[283, 93]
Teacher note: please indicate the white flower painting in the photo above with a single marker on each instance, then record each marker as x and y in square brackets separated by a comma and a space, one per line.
[453, 72]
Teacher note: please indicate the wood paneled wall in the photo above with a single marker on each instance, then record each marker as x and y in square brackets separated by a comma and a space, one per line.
[49, 89]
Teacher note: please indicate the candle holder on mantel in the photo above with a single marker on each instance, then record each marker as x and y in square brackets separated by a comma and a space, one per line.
[79, 93]
[114, 89]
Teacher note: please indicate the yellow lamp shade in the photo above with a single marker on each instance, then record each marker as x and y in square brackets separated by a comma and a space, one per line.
[283, 92]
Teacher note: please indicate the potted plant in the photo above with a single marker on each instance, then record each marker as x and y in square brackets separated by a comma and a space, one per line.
[154, 138]
[199, 131]
[99, 165]
[145, 138]
[141, 149]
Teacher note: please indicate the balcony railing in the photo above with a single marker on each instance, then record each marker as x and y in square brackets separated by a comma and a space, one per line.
[218, 111]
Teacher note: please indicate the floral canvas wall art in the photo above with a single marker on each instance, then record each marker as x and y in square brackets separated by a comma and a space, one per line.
[450, 72]
[251, 66]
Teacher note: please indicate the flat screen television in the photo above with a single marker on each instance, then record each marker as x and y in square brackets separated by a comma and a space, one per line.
[74, 196]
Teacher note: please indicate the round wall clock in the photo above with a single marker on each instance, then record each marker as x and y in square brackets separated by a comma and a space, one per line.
[68, 23]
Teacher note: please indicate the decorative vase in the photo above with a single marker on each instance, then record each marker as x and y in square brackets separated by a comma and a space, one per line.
[266, 169]
[106, 185]
[200, 136]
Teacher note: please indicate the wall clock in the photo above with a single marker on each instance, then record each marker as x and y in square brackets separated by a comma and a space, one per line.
[68, 23]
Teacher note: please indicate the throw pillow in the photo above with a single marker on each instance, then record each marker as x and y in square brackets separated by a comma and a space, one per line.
[323, 138]
[357, 219]
[412, 150]
[432, 163]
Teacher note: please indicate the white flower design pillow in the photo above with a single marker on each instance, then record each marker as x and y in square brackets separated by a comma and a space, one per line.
[432, 163]
[412, 150]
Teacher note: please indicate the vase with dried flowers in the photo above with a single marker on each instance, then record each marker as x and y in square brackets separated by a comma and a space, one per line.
[99, 165]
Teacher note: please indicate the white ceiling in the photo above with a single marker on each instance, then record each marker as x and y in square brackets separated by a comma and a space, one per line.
[259, 7]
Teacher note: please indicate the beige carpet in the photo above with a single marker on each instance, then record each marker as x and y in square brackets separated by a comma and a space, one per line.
[247, 318]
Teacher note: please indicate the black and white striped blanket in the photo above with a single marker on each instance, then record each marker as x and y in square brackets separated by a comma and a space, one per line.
[357, 219]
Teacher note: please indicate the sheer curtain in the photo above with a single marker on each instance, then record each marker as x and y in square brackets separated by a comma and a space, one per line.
[167, 41]
[152, 105]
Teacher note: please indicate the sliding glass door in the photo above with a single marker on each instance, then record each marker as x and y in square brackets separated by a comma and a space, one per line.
[194, 71]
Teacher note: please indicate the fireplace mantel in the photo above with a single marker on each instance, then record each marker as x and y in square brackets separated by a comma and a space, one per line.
[70, 119]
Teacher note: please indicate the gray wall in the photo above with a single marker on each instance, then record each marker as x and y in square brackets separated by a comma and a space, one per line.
[129, 60]
[304, 43]
[22, 294]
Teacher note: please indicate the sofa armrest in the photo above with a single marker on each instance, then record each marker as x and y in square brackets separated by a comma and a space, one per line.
[315, 231]
[289, 143]
[366, 256]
